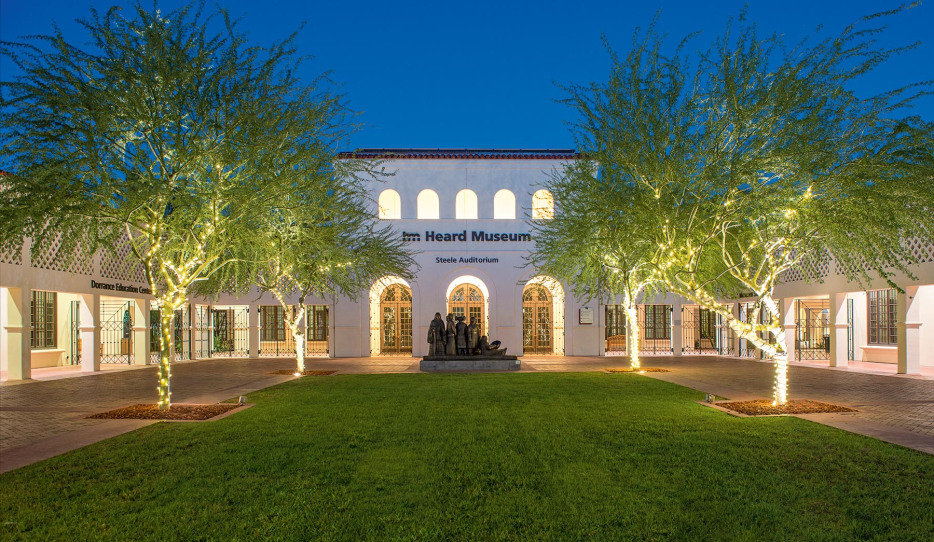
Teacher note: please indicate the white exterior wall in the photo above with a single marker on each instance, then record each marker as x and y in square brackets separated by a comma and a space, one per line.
[926, 296]
[834, 281]
[503, 279]
[352, 332]
[70, 285]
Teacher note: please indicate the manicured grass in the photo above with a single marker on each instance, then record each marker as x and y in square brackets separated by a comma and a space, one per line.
[477, 457]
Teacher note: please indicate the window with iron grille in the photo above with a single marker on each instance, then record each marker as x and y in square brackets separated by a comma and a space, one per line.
[272, 318]
[317, 322]
[658, 322]
[42, 310]
[615, 320]
[882, 318]
[708, 324]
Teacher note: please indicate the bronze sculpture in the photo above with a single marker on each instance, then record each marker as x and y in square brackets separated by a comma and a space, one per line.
[454, 341]
[473, 337]
[450, 347]
[461, 328]
[491, 350]
[436, 336]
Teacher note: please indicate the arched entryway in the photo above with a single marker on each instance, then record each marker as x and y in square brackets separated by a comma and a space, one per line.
[537, 320]
[543, 316]
[395, 309]
[390, 317]
[467, 300]
[468, 296]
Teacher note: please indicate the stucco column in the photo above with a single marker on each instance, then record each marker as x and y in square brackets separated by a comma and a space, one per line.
[908, 324]
[140, 332]
[676, 328]
[18, 328]
[838, 329]
[253, 333]
[790, 326]
[90, 332]
[197, 346]
[734, 338]
[600, 317]
[208, 331]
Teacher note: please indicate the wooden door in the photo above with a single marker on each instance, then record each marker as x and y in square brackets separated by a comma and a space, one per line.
[395, 311]
[537, 326]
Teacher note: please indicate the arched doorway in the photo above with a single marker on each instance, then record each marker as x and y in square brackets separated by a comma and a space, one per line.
[467, 300]
[395, 309]
[537, 320]
[543, 316]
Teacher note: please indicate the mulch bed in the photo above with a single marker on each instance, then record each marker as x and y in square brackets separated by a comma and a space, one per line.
[176, 412]
[306, 373]
[764, 407]
[640, 370]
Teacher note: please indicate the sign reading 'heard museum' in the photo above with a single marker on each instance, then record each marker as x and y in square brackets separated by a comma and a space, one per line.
[475, 236]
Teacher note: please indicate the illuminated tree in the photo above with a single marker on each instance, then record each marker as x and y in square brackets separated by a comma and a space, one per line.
[324, 241]
[759, 160]
[160, 136]
[600, 258]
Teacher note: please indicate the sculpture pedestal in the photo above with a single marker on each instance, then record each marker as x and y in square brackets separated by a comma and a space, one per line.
[469, 363]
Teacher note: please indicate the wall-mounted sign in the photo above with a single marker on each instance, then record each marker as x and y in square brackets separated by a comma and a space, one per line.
[466, 259]
[585, 316]
[475, 236]
[117, 287]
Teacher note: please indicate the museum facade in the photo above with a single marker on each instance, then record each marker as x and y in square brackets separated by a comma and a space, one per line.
[466, 214]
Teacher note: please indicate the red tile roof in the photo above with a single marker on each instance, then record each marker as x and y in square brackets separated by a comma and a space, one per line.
[463, 154]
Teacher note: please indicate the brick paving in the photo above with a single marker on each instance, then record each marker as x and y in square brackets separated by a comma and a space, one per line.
[40, 418]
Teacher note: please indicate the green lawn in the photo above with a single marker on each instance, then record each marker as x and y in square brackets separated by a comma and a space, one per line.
[476, 457]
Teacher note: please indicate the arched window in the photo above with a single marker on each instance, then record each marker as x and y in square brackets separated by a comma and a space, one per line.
[504, 205]
[390, 205]
[465, 204]
[428, 206]
[543, 205]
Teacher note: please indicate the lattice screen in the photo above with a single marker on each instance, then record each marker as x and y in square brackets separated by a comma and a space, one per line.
[792, 275]
[51, 257]
[124, 266]
[921, 249]
[818, 269]
[855, 267]
[13, 256]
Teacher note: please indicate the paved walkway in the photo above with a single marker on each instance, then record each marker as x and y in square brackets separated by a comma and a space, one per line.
[43, 418]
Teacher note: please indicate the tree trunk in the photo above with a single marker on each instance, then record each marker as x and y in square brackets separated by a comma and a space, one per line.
[780, 393]
[777, 349]
[632, 332]
[296, 326]
[299, 349]
[167, 347]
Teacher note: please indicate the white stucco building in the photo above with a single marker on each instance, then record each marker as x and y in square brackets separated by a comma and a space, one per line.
[466, 213]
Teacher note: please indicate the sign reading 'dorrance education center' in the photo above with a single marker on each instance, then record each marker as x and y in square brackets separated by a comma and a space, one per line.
[117, 287]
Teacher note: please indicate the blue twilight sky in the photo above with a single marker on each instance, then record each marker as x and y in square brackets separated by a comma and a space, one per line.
[484, 74]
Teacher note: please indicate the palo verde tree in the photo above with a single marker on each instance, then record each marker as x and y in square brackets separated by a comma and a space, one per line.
[159, 136]
[764, 161]
[603, 236]
[600, 261]
[324, 241]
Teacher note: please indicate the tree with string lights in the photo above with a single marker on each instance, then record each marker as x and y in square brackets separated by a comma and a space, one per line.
[160, 136]
[750, 161]
[324, 241]
[600, 259]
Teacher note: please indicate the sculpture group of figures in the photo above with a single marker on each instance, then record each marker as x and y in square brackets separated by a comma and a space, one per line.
[459, 339]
